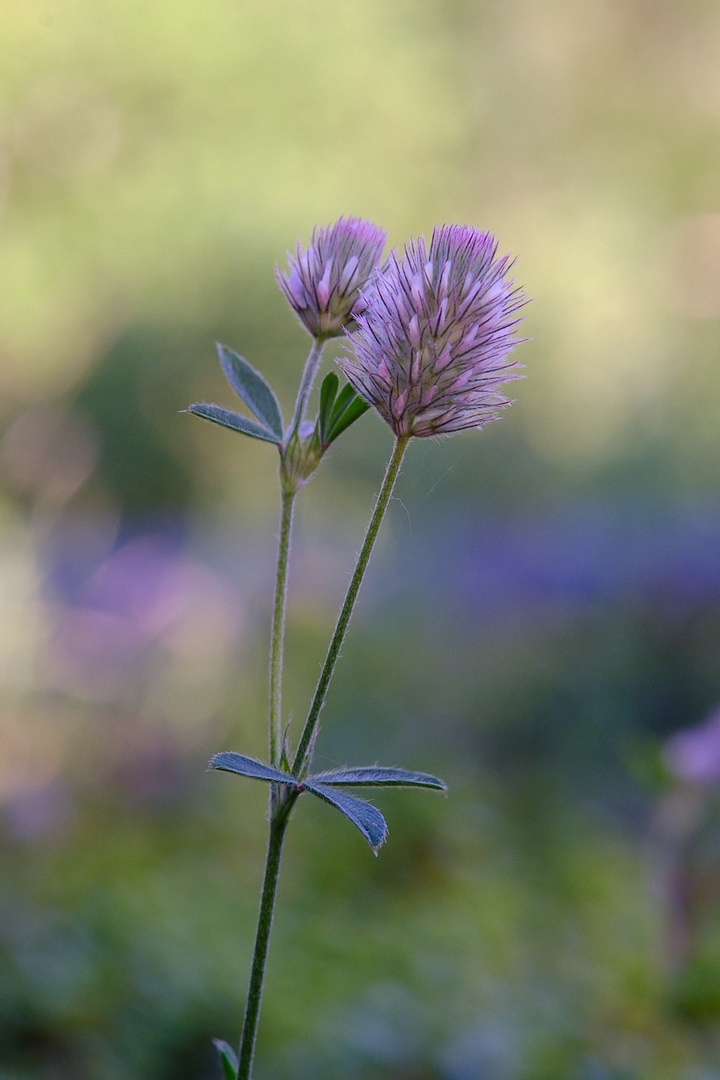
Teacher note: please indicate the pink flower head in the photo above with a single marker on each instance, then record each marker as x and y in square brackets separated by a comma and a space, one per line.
[433, 341]
[324, 282]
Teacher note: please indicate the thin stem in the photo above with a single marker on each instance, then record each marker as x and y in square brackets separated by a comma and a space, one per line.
[281, 804]
[306, 383]
[278, 627]
[277, 634]
[278, 825]
[304, 750]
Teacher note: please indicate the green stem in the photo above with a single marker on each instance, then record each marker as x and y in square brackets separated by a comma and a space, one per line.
[282, 804]
[306, 384]
[278, 628]
[278, 825]
[304, 750]
[277, 634]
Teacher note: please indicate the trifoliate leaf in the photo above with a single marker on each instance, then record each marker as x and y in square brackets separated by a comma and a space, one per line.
[229, 761]
[254, 390]
[363, 815]
[228, 1059]
[234, 420]
[378, 776]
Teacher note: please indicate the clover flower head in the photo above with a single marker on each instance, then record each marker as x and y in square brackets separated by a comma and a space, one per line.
[433, 342]
[324, 282]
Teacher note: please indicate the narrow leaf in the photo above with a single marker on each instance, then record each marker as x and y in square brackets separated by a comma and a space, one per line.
[228, 1059]
[328, 390]
[353, 412]
[234, 421]
[363, 815]
[229, 761]
[257, 394]
[343, 400]
[378, 776]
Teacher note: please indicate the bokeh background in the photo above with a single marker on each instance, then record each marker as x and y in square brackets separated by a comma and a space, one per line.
[543, 611]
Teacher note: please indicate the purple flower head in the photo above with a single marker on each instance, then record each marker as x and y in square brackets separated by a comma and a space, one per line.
[693, 755]
[324, 282]
[433, 342]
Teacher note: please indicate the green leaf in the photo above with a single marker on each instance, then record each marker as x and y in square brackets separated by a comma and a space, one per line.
[229, 761]
[328, 390]
[366, 817]
[233, 420]
[257, 394]
[351, 413]
[228, 1059]
[343, 400]
[378, 776]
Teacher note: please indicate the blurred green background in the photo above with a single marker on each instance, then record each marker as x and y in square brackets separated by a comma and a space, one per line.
[543, 610]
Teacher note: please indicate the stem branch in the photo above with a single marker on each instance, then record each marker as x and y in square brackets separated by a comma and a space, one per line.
[306, 383]
[304, 750]
[281, 803]
[278, 628]
[277, 634]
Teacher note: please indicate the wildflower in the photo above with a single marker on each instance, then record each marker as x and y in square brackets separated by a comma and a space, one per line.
[324, 282]
[433, 341]
[693, 755]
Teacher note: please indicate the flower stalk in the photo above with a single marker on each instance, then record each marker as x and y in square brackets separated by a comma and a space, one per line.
[277, 636]
[303, 754]
[288, 490]
[306, 384]
[281, 805]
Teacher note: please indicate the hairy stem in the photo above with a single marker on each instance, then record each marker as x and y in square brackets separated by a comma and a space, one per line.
[305, 746]
[277, 636]
[278, 825]
[306, 384]
[280, 806]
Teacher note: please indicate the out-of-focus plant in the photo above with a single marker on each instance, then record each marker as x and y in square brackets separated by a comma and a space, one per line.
[687, 819]
[429, 338]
